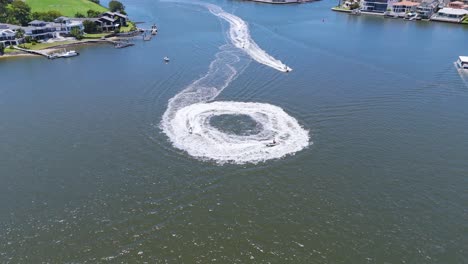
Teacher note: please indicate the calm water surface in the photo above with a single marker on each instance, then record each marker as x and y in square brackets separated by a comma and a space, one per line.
[87, 176]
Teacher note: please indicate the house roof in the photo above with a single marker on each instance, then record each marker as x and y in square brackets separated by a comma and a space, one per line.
[120, 15]
[406, 3]
[6, 31]
[107, 18]
[463, 59]
[453, 11]
[457, 3]
[112, 14]
[37, 22]
[9, 26]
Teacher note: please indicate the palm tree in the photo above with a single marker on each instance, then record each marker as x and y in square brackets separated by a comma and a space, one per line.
[19, 33]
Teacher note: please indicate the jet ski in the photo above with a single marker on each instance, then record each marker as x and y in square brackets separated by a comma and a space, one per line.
[272, 144]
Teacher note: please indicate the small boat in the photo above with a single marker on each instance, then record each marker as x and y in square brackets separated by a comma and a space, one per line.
[154, 30]
[356, 12]
[272, 144]
[166, 59]
[462, 62]
[67, 54]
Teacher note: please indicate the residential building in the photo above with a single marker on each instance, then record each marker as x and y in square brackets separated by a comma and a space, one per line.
[427, 8]
[39, 30]
[456, 4]
[68, 24]
[378, 6]
[7, 34]
[118, 18]
[448, 14]
[404, 7]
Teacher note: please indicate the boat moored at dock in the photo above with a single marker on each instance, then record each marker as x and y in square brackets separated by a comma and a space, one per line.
[64, 54]
[462, 62]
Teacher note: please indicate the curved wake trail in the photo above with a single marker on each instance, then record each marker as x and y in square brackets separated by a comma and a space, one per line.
[187, 119]
[240, 37]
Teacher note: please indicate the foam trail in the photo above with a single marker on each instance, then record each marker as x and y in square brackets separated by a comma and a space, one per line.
[239, 35]
[187, 119]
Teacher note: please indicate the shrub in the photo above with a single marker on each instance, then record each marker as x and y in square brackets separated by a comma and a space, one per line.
[76, 33]
[93, 13]
[90, 27]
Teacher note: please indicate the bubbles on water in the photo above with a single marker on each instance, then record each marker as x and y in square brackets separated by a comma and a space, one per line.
[193, 132]
[187, 120]
[239, 35]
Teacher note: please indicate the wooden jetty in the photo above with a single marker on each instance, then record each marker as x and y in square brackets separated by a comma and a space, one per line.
[36, 52]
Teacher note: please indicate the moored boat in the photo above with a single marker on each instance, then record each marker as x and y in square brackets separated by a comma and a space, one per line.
[154, 30]
[64, 54]
[462, 62]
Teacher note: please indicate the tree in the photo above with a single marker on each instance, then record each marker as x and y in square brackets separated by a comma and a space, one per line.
[90, 27]
[2, 49]
[95, 1]
[354, 5]
[79, 15]
[3, 10]
[48, 16]
[91, 13]
[20, 11]
[76, 32]
[19, 33]
[116, 6]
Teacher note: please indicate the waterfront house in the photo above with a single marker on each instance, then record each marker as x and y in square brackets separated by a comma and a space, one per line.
[118, 18]
[107, 23]
[427, 8]
[66, 24]
[456, 4]
[404, 7]
[39, 30]
[376, 6]
[448, 14]
[7, 35]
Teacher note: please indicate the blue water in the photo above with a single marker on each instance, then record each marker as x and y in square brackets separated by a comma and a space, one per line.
[87, 175]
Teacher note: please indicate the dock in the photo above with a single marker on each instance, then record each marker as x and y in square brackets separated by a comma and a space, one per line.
[35, 52]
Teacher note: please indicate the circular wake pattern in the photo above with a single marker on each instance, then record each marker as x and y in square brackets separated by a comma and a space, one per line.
[280, 134]
[191, 116]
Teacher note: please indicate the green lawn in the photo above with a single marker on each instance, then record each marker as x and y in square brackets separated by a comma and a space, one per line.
[8, 50]
[40, 46]
[128, 28]
[66, 7]
[340, 8]
[95, 36]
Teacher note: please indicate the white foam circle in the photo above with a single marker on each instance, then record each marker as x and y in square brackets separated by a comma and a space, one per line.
[191, 131]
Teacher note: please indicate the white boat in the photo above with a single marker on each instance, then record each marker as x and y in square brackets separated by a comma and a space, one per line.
[272, 144]
[154, 30]
[166, 59]
[356, 12]
[67, 54]
[462, 62]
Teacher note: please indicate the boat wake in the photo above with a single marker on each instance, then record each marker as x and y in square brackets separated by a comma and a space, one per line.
[187, 119]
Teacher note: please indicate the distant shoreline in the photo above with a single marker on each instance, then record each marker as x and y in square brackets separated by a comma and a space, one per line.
[53, 49]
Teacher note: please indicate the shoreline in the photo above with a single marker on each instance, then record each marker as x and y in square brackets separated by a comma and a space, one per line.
[49, 50]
